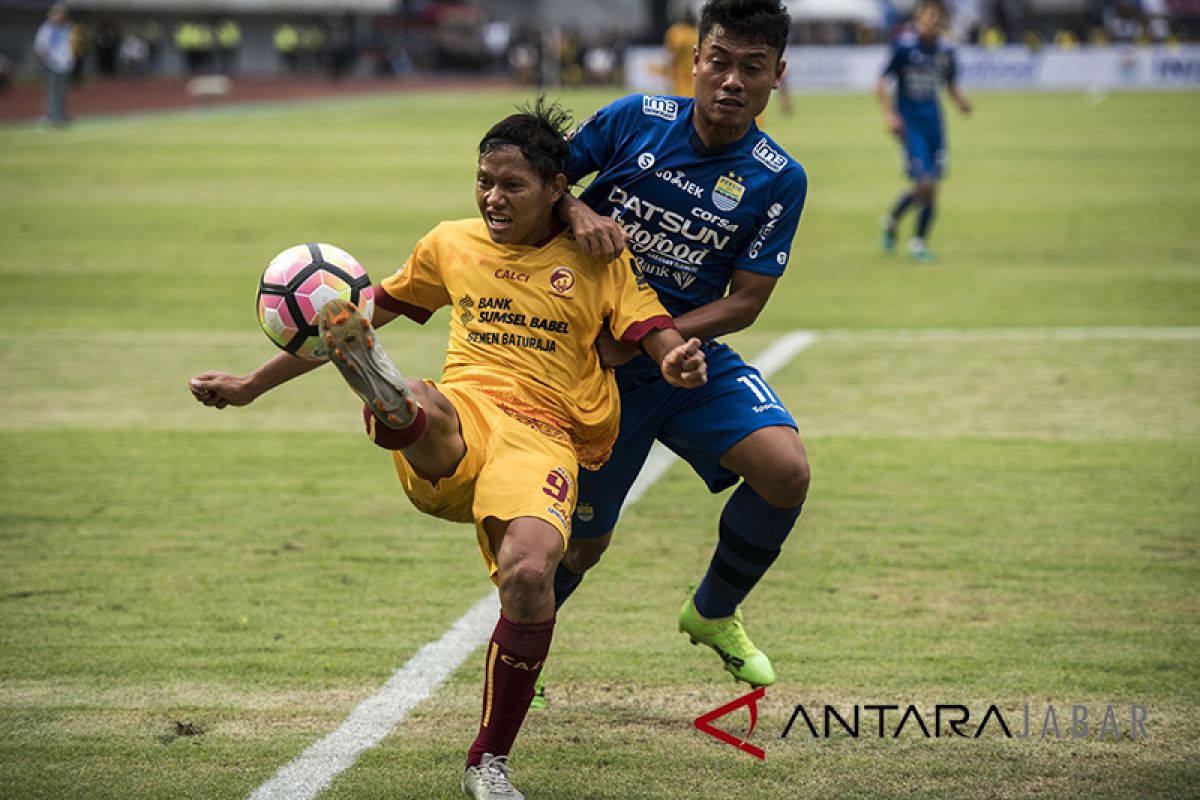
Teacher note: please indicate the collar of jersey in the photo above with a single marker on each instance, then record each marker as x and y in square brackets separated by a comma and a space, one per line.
[704, 151]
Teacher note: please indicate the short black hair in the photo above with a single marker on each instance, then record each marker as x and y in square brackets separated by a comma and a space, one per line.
[758, 21]
[539, 129]
[940, 5]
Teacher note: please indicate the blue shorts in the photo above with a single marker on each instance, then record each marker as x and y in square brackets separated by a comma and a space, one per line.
[699, 425]
[924, 151]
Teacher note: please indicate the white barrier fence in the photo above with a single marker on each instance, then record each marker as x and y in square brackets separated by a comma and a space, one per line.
[1010, 68]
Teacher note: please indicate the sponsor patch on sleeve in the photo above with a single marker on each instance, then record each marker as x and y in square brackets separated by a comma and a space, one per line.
[662, 107]
[769, 157]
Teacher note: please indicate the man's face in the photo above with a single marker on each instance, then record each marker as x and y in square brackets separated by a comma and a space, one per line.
[929, 21]
[734, 79]
[516, 204]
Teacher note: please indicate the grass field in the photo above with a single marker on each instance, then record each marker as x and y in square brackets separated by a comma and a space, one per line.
[1003, 511]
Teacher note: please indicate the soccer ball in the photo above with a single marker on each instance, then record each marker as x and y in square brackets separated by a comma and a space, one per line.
[297, 284]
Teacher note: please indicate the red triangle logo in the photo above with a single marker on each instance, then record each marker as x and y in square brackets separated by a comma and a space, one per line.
[704, 722]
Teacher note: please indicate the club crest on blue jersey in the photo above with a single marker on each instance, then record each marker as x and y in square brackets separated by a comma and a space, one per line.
[728, 192]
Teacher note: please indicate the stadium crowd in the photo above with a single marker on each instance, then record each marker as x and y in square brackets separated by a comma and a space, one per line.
[467, 37]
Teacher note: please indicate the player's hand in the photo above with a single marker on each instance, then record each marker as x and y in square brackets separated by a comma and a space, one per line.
[597, 235]
[684, 366]
[613, 353]
[965, 105]
[220, 389]
[895, 124]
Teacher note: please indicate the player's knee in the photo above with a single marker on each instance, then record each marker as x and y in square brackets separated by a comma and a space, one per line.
[787, 486]
[527, 572]
[583, 554]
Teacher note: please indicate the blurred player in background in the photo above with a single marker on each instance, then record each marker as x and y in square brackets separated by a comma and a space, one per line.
[679, 48]
[921, 63]
[709, 205]
[522, 403]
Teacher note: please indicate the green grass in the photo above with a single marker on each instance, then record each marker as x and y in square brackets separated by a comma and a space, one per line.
[997, 516]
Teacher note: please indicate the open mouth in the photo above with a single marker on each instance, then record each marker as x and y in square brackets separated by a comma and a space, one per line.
[497, 221]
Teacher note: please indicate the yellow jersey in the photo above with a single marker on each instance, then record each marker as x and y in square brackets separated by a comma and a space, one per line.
[679, 41]
[524, 323]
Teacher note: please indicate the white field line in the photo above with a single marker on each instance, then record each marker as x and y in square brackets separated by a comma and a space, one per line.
[376, 716]
[314, 769]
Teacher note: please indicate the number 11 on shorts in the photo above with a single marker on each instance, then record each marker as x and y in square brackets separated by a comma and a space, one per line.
[757, 385]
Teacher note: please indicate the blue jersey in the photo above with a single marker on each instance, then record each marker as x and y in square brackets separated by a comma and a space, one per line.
[693, 214]
[920, 69]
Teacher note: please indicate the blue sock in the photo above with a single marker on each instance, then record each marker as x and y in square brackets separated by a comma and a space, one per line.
[924, 218]
[565, 582]
[752, 533]
[901, 206]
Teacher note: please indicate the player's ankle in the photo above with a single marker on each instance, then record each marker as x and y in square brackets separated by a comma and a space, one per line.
[390, 437]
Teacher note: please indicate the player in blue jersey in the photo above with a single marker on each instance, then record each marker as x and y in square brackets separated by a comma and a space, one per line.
[708, 204]
[921, 63]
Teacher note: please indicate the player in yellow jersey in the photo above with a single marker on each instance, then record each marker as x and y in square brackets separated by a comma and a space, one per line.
[523, 400]
[679, 46]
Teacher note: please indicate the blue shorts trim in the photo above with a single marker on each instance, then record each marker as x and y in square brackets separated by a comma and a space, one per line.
[698, 425]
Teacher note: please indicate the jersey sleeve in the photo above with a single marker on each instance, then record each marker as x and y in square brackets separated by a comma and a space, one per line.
[595, 141]
[416, 290]
[770, 249]
[635, 308]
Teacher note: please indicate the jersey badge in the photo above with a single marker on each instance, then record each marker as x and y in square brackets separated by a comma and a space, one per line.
[662, 107]
[768, 156]
[728, 192]
[562, 280]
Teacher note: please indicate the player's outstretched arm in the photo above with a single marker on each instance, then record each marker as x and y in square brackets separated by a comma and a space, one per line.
[961, 100]
[220, 389]
[681, 362]
[597, 235]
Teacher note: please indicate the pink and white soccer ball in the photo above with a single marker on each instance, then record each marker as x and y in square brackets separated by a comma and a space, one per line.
[297, 284]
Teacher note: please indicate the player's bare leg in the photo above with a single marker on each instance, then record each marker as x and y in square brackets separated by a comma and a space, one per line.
[527, 551]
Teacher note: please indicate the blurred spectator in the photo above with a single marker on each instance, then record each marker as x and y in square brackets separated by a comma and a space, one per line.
[107, 44]
[312, 47]
[134, 56]
[229, 41]
[523, 61]
[79, 47]
[570, 59]
[599, 65]
[1123, 21]
[195, 41]
[1066, 40]
[53, 50]
[152, 33]
[287, 45]
[496, 38]
[5, 71]
[342, 51]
